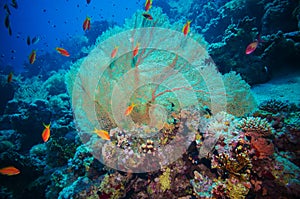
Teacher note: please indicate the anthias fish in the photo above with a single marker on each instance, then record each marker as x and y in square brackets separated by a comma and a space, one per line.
[147, 16]
[186, 28]
[148, 5]
[136, 49]
[252, 46]
[46, 132]
[9, 171]
[114, 52]
[102, 133]
[62, 51]
[129, 109]
[87, 24]
[32, 57]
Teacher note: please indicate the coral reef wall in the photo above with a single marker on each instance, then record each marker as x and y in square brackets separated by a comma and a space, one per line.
[229, 26]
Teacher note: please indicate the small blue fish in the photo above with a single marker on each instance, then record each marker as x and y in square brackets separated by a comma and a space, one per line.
[35, 40]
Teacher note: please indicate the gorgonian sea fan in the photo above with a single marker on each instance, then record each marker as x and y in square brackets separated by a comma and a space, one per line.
[169, 70]
[168, 66]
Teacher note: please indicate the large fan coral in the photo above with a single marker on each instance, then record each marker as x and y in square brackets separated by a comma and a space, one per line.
[161, 71]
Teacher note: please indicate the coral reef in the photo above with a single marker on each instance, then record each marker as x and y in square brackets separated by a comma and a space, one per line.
[202, 185]
[7, 90]
[229, 26]
[257, 125]
[273, 106]
[192, 133]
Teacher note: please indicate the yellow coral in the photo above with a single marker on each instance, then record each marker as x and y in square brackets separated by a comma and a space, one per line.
[236, 189]
[164, 180]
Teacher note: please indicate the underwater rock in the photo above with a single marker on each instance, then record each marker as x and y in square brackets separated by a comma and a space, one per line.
[9, 140]
[13, 106]
[230, 25]
[281, 53]
[37, 155]
[7, 91]
[29, 122]
[280, 15]
[55, 84]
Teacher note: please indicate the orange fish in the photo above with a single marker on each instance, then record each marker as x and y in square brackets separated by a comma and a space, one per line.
[32, 57]
[9, 171]
[87, 24]
[46, 132]
[136, 49]
[129, 109]
[147, 16]
[148, 5]
[252, 46]
[9, 77]
[62, 51]
[102, 133]
[114, 52]
[186, 28]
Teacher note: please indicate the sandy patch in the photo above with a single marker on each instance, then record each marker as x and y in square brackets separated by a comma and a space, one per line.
[286, 88]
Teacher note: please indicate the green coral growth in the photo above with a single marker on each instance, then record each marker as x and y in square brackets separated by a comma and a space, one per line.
[164, 180]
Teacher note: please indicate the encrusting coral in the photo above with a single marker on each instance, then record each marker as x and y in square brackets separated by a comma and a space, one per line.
[164, 180]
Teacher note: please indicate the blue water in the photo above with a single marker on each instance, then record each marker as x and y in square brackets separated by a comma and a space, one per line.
[52, 21]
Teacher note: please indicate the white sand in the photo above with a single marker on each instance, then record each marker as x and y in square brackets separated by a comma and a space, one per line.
[285, 88]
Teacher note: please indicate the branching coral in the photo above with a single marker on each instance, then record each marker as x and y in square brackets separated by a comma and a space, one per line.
[256, 124]
[31, 89]
[293, 121]
[238, 166]
[273, 106]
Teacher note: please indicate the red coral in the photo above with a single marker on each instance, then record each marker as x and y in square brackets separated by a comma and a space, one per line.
[263, 147]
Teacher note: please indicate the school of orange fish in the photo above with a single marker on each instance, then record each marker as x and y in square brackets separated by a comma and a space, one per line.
[11, 170]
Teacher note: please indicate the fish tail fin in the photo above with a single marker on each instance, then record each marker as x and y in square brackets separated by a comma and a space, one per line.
[259, 37]
[46, 126]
